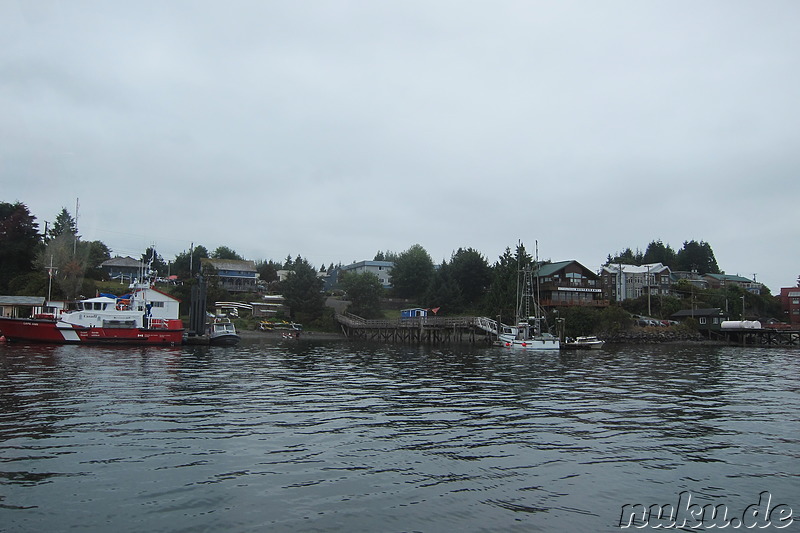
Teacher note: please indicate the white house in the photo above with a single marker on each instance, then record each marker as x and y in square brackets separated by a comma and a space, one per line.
[623, 282]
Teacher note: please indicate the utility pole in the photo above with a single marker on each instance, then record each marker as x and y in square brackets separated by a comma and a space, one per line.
[75, 242]
[649, 312]
[50, 270]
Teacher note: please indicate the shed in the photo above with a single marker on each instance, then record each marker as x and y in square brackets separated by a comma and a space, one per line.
[19, 306]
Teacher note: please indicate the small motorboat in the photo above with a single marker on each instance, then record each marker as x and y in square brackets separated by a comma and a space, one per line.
[222, 332]
[588, 342]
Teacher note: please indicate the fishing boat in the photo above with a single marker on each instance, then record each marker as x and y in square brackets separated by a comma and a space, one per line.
[143, 316]
[529, 331]
[222, 332]
[588, 342]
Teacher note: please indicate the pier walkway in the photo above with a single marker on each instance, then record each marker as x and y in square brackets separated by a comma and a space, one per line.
[759, 337]
[420, 330]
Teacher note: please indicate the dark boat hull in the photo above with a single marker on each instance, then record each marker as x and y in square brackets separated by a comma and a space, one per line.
[229, 339]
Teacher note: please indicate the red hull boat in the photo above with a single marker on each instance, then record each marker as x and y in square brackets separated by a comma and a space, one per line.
[145, 316]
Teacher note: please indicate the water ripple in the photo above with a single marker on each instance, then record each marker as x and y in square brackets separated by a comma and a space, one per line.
[305, 436]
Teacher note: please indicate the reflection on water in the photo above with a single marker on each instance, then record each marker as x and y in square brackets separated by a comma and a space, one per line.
[332, 436]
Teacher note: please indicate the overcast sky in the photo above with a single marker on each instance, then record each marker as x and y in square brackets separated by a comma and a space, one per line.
[335, 129]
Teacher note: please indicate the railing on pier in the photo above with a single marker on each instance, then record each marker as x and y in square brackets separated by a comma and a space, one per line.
[760, 337]
[425, 329]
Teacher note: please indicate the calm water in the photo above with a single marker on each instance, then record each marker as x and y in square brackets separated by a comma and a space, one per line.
[334, 436]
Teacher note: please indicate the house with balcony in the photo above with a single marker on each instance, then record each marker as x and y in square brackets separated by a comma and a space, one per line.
[625, 282]
[720, 281]
[233, 275]
[568, 283]
[123, 268]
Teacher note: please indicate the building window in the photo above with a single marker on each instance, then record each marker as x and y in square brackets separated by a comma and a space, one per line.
[702, 320]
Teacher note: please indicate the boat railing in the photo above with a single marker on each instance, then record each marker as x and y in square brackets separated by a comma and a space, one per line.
[158, 323]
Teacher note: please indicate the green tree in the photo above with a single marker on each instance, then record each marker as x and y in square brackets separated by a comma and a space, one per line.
[61, 252]
[186, 260]
[472, 275]
[302, 292]
[268, 270]
[658, 252]
[385, 256]
[443, 292]
[19, 242]
[579, 320]
[614, 319]
[412, 273]
[364, 290]
[223, 252]
[64, 224]
[501, 298]
[697, 256]
[94, 254]
[626, 257]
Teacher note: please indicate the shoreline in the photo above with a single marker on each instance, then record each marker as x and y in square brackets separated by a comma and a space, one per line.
[611, 340]
[251, 334]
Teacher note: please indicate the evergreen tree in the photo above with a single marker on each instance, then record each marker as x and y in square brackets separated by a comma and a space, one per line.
[19, 242]
[64, 224]
[268, 271]
[302, 292]
[189, 260]
[223, 252]
[503, 291]
[94, 254]
[697, 256]
[626, 257]
[657, 252]
[472, 275]
[443, 292]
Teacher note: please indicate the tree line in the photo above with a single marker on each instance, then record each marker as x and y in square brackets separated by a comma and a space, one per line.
[467, 283]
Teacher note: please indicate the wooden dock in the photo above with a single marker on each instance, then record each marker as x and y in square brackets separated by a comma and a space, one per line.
[760, 337]
[416, 330]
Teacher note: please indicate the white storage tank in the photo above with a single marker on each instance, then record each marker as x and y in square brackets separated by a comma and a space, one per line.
[741, 324]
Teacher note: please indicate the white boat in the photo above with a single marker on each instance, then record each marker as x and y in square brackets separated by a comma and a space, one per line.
[588, 342]
[528, 333]
[222, 332]
[143, 316]
[526, 337]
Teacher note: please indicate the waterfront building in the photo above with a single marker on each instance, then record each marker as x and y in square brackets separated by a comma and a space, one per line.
[123, 268]
[234, 275]
[382, 269]
[790, 303]
[568, 283]
[623, 282]
[720, 281]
